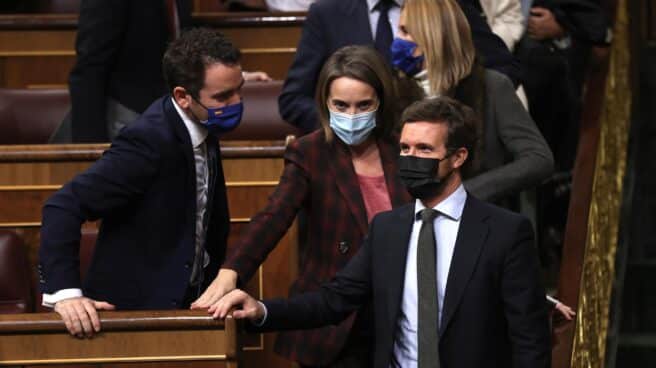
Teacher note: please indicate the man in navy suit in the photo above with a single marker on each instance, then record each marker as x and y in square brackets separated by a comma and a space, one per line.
[159, 191]
[454, 280]
[332, 24]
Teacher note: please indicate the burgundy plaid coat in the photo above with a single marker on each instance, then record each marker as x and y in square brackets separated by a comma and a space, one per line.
[319, 178]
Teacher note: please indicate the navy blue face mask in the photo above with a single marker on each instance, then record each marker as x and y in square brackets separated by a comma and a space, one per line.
[222, 119]
[403, 59]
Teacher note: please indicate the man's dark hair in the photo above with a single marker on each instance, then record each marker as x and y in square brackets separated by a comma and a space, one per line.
[187, 57]
[461, 121]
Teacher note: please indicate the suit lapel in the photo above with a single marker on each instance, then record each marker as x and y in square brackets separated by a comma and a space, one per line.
[471, 236]
[357, 14]
[184, 145]
[347, 182]
[395, 254]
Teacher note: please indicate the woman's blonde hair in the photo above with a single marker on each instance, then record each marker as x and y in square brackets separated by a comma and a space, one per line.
[441, 30]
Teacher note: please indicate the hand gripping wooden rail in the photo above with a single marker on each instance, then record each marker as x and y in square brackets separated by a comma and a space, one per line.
[134, 336]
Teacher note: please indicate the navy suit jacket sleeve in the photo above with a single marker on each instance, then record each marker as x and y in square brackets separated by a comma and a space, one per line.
[345, 293]
[122, 175]
[523, 299]
[296, 102]
[100, 33]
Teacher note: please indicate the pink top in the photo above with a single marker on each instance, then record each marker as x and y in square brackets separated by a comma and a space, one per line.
[375, 195]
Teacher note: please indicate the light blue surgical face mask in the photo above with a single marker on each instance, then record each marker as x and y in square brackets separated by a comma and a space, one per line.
[352, 129]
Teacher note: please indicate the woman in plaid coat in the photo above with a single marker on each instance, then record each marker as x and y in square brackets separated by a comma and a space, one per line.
[340, 176]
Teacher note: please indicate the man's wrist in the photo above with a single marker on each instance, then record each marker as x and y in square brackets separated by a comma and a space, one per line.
[260, 322]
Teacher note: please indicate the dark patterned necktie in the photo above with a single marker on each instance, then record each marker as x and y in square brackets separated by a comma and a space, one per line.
[427, 326]
[384, 34]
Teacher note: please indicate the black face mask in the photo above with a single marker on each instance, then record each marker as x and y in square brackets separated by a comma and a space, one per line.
[419, 176]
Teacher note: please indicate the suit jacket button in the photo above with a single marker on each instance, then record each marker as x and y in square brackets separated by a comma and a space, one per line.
[187, 265]
[343, 247]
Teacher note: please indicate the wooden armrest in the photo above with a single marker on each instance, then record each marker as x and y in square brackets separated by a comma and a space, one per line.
[126, 336]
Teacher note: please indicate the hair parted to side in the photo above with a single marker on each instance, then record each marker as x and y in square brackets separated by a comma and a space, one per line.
[441, 30]
[186, 58]
[461, 121]
[365, 64]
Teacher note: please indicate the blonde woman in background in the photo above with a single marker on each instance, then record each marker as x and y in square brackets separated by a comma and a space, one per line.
[435, 56]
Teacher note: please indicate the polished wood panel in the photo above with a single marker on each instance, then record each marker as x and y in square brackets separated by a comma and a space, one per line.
[38, 51]
[29, 174]
[41, 338]
[26, 202]
[576, 230]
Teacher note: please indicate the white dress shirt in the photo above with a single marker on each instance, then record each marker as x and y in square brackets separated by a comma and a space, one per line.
[446, 226]
[394, 13]
[289, 5]
[506, 20]
[198, 135]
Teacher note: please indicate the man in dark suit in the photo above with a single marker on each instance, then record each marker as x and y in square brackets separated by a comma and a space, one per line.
[555, 54]
[118, 72]
[159, 191]
[332, 24]
[453, 280]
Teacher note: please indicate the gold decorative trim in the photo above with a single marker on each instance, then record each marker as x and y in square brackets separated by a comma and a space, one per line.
[260, 297]
[11, 225]
[589, 345]
[269, 50]
[37, 53]
[255, 348]
[258, 183]
[46, 187]
[46, 86]
[29, 188]
[116, 360]
[261, 283]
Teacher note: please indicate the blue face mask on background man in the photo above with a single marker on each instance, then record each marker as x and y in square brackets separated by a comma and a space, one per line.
[352, 129]
[222, 119]
[403, 59]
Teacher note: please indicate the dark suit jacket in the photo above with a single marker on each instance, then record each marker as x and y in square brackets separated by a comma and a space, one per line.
[320, 180]
[494, 314]
[144, 190]
[332, 24]
[584, 20]
[119, 49]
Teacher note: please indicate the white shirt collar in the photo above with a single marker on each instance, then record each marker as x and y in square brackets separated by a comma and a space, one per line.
[372, 3]
[197, 132]
[451, 207]
[424, 82]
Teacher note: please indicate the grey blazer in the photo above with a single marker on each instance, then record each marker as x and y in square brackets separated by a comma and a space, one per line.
[515, 155]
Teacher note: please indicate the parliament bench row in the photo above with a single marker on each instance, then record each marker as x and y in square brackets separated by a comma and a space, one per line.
[19, 288]
[32, 116]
